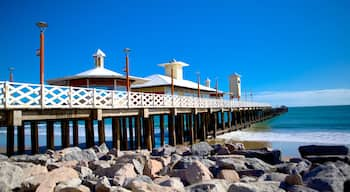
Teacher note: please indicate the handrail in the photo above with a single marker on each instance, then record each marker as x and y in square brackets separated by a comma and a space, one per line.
[15, 95]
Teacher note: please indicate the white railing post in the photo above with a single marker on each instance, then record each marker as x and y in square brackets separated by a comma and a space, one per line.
[70, 94]
[7, 94]
[42, 96]
[113, 103]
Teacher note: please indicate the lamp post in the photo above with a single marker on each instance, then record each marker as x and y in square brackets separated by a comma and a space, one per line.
[127, 51]
[11, 69]
[42, 26]
[198, 82]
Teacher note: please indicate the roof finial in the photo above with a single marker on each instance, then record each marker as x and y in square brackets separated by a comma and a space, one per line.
[99, 58]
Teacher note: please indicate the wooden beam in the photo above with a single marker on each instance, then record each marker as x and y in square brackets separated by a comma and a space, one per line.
[101, 132]
[34, 137]
[20, 139]
[131, 133]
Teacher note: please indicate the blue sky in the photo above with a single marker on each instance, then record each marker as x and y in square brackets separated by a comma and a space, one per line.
[277, 46]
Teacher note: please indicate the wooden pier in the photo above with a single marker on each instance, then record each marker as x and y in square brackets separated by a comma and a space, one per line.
[190, 119]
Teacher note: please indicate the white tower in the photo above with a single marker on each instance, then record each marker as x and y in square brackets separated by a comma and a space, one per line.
[207, 82]
[177, 68]
[99, 57]
[235, 85]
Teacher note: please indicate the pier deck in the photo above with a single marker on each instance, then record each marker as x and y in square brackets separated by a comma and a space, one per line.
[189, 118]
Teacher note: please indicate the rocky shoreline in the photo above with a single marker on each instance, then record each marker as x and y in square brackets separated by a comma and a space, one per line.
[196, 168]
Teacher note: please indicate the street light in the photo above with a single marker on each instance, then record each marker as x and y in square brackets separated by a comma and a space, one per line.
[198, 81]
[42, 26]
[127, 51]
[11, 69]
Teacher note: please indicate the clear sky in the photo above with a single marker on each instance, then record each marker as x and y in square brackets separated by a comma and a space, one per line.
[277, 46]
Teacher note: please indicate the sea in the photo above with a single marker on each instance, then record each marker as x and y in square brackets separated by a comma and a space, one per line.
[326, 125]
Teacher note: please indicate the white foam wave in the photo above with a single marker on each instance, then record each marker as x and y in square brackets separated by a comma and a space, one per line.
[340, 138]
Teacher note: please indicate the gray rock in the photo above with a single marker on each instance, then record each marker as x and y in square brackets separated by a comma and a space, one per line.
[173, 182]
[3, 157]
[90, 181]
[273, 177]
[223, 151]
[4, 187]
[300, 167]
[248, 179]
[263, 186]
[201, 149]
[298, 188]
[255, 163]
[11, 175]
[102, 148]
[251, 173]
[118, 189]
[214, 185]
[322, 178]
[83, 171]
[80, 155]
[231, 163]
[71, 184]
[36, 159]
[103, 185]
[185, 162]
[99, 164]
[138, 166]
[142, 178]
[234, 146]
[272, 157]
[166, 150]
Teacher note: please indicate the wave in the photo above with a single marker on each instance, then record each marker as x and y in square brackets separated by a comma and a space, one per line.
[339, 138]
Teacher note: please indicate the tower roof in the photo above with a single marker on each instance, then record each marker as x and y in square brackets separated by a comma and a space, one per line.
[99, 52]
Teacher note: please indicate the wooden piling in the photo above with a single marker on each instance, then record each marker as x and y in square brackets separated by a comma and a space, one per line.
[101, 132]
[229, 119]
[138, 132]
[147, 123]
[116, 133]
[215, 123]
[34, 136]
[65, 133]
[190, 126]
[50, 134]
[10, 140]
[89, 133]
[131, 133]
[181, 128]
[153, 138]
[223, 126]
[125, 134]
[171, 129]
[161, 126]
[203, 126]
[20, 139]
[75, 132]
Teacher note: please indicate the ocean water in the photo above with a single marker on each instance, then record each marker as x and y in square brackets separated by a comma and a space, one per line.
[328, 125]
[300, 126]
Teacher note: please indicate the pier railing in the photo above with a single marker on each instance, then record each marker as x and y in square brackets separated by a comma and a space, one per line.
[35, 96]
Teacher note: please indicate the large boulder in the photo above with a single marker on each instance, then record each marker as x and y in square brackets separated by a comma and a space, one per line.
[273, 177]
[324, 153]
[294, 166]
[11, 175]
[119, 172]
[3, 157]
[262, 186]
[4, 187]
[166, 150]
[101, 149]
[57, 175]
[103, 185]
[255, 163]
[141, 186]
[231, 163]
[269, 156]
[196, 172]
[152, 168]
[214, 185]
[298, 188]
[36, 159]
[228, 175]
[79, 155]
[322, 177]
[294, 179]
[201, 149]
[173, 182]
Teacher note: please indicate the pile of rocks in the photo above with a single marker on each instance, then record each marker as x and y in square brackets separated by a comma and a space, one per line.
[201, 167]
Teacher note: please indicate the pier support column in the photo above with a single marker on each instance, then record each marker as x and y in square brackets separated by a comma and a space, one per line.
[75, 132]
[147, 123]
[152, 133]
[161, 126]
[131, 133]
[190, 127]
[215, 123]
[116, 133]
[89, 133]
[171, 128]
[34, 137]
[20, 139]
[229, 119]
[101, 132]
[50, 134]
[235, 122]
[10, 139]
[203, 126]
[65, 133]
[181, 128]
[138, 132]
[125, 134]
[196, 127]
[223, 126]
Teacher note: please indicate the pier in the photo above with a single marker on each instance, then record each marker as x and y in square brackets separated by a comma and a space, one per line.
[190, 119]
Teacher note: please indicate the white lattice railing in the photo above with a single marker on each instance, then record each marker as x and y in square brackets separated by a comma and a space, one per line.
[24, 95]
